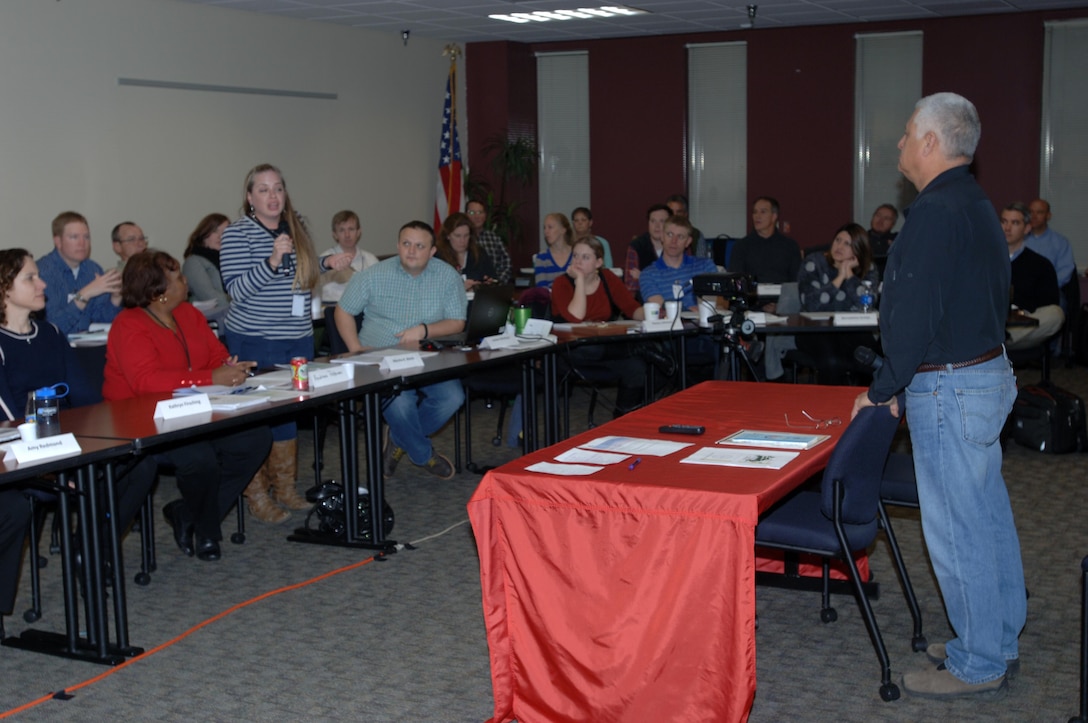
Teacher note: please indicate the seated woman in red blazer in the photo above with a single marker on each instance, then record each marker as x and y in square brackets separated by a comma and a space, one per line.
[588, 292]
[160, 342]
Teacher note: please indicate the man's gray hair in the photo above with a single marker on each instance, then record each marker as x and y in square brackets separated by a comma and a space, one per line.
[955, 121]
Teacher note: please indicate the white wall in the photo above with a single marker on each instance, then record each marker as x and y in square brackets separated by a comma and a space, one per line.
[71, 137]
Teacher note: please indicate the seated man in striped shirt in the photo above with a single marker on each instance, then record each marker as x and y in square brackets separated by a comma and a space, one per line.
[404, 300]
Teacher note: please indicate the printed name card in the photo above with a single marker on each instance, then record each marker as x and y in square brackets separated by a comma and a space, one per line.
[651, 325]
[855, 318]
[333, 374]
[411, 360]
[499, 341]
[183, 406]
[62, 445]
[537, 327]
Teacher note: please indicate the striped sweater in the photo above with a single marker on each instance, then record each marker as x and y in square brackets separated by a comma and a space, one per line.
[262, 299]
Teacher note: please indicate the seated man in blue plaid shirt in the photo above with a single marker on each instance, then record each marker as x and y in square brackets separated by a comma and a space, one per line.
[404, 300]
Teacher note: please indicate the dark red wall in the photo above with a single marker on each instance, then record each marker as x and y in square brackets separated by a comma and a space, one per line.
[800, 113]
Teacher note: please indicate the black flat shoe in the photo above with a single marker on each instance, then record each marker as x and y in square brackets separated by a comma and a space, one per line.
[183, 532]
[207, 550]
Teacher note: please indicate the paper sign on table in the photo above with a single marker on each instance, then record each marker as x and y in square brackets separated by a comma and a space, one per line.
[182, 406]
[61, 445]
[327, 375]
[587, 456]
[410, 360]
[566, 470]
[636, 445]
[751, 458]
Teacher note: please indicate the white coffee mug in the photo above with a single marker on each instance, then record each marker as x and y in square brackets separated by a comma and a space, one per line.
[652, 310]
[672, 310]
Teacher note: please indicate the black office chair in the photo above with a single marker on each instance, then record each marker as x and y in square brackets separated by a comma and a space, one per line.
[842, 518]
[498, 387]
[898, 487]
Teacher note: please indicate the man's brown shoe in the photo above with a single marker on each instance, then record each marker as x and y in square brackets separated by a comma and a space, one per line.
[438, 465]
[939, 683]
[937, 654]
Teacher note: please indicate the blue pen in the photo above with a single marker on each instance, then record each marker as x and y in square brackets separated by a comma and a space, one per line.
[636, 463]
[241, 390]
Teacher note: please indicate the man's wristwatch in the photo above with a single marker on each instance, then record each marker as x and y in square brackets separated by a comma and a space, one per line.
[79, 297]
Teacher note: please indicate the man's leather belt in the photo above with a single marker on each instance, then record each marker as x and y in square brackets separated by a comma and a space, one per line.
[983, 357]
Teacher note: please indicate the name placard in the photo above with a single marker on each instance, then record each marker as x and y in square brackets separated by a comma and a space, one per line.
[499, 341]
[62, 445]
[651, 325]
[183, 406]
[411, 360]
[855, 318]
[333, 374]
[537, 327]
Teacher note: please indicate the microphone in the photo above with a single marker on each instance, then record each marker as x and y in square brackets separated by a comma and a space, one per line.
[868, 358]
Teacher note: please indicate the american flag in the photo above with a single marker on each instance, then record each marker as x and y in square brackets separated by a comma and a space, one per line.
[448, 190]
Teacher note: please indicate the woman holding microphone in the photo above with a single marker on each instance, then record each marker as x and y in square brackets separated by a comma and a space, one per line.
[269, 267]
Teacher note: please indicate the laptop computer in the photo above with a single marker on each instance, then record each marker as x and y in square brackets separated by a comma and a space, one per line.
[487, 315]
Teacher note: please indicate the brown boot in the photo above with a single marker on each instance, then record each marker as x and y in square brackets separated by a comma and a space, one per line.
[282, 468]
[261, 505]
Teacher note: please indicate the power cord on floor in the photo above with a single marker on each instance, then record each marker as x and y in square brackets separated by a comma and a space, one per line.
[66, 693]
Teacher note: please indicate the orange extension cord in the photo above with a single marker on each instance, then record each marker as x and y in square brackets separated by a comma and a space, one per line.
[187, 633]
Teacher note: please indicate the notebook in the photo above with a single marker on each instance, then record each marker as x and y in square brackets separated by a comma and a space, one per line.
[487, 314]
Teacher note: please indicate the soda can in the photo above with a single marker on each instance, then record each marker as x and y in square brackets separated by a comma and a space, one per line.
[300, 376]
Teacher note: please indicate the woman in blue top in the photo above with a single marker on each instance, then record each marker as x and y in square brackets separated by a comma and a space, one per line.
[269, 267]
[553, 263]
[833, 281]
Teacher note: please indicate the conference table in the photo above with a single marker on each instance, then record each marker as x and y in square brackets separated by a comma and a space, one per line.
[79, 475]
[629, 593]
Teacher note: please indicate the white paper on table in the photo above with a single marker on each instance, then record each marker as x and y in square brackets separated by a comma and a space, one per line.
[637, 445]
[751, 458]
[374, 358]
[270, 380]
[566, 470]
[587, 456]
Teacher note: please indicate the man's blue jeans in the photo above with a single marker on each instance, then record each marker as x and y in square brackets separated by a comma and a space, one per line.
[955, 418]
[415, 414]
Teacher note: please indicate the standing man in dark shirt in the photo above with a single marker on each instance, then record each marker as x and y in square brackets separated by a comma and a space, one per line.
[1034, 282]
[766, 254]
[942, 324]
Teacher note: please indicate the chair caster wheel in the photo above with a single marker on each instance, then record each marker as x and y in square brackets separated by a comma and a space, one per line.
[828, 615]
[889, 692]
[238, 538]
[142, 578]
[32, 616]
[918, 644]
[496, 441]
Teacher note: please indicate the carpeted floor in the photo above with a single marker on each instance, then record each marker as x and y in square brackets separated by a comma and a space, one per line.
[402, 639]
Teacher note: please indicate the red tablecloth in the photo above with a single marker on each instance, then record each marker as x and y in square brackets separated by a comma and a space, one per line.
[629, 595]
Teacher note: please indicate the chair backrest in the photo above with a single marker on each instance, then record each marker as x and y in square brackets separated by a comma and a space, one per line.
[336, 342]
[858, 464]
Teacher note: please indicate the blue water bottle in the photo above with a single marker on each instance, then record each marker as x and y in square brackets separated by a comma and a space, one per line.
[866, 296]
[47, 409]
